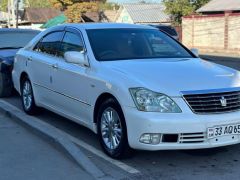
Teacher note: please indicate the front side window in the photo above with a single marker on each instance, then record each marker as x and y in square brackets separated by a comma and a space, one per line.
[71, 42]
[50, 44]
[129, 44]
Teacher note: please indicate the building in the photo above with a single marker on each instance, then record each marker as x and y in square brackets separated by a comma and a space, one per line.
[111, 15]
[3, 19]
[216, 29]
[142, 14]
[34, 18]
[220, 7]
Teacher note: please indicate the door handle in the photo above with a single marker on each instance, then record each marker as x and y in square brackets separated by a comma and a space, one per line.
[55, 66]
[29, 58]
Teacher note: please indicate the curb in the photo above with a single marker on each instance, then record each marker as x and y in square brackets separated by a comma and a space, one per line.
[53, 135]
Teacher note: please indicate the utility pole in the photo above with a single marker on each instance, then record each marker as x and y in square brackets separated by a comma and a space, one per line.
[13, 13]
[17, 10]
[9, 13]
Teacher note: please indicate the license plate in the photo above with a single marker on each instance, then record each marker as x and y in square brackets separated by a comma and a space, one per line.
[217, 131]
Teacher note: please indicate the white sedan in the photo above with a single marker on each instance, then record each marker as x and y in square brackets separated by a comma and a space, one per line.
[134, 86]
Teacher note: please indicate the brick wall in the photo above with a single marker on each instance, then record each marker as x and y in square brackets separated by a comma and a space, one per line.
[212, 33]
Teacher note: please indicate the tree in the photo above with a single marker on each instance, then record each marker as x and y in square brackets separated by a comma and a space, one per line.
[179, 8]
[74, 12]
[199, 3]
[63, 4]
[108, 6]
[73, 9]
[3, 5]
[37, 3]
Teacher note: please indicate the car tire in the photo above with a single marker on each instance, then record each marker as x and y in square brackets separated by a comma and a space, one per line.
[112, 131]
[27, 97]
[6, 87]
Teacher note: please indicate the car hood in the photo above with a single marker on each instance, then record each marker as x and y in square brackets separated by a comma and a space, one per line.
[171, 76]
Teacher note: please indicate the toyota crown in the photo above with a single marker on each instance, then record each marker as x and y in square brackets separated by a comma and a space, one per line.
[134, 86]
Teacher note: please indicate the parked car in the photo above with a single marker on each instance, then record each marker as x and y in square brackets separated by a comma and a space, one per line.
[171, 31]
[11, 40]
[133, 85]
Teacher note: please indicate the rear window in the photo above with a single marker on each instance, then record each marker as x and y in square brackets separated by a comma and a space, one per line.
[169, 30]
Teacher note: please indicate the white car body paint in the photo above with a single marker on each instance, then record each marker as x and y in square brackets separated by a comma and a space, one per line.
[72, 90]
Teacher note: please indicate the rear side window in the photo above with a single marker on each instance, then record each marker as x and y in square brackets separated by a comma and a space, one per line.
[72, 42]
[169, 30]
[50, 44]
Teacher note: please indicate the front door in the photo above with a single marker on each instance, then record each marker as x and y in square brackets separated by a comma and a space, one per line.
[71, 81]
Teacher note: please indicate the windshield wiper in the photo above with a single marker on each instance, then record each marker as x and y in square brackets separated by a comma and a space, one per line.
[11, 47]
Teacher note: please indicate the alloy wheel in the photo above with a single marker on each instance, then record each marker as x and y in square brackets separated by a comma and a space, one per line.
[111, 128]
[27, 95]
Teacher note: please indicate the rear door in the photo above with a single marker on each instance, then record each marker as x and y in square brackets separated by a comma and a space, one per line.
[40, 65]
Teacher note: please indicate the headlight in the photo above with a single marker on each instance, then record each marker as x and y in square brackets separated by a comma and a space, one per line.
[147, 100]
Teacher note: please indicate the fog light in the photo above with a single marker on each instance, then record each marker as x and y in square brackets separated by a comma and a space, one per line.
[145, 138]
[155, 138]
[150, 138]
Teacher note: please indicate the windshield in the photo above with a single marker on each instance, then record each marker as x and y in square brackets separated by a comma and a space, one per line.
[125, 44]
[15, 39]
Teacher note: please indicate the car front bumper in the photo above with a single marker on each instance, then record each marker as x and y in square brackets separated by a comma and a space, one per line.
[186, 125]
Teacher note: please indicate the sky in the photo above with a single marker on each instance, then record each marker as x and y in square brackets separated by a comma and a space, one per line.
[134, 1]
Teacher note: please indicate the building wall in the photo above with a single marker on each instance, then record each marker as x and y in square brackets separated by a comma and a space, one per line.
[234, 32]
[212, 33]
[31, 26]
[124, 17]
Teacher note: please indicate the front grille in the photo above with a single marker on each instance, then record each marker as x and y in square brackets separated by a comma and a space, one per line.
[219, 102]
[192, 137]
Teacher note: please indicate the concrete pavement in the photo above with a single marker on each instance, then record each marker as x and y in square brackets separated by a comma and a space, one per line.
[219, 163]
[25, 156]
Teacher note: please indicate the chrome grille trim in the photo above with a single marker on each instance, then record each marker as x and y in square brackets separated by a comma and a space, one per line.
[209, 103]
[192, 137]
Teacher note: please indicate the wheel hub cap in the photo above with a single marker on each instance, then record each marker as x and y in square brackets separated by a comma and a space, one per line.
[111, 128]
[27, 95]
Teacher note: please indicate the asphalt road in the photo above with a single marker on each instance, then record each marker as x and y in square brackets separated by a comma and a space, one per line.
[219, 163]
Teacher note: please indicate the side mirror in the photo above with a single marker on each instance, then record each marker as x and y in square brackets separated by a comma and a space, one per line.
[195, 52]
[76, 58]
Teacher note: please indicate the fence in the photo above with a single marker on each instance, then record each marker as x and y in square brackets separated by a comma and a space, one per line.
[212, 33]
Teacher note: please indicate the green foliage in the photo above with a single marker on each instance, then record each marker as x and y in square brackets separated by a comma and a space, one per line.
[64, 4]
[179, 8]
[37, 3]
[3, 5]
[73, 9]
[27, 3]
[199, 3]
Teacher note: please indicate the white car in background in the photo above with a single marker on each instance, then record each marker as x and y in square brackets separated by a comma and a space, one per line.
[133, 85]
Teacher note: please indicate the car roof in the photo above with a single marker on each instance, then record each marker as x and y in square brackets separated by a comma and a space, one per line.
[18, 30]
[105, 25]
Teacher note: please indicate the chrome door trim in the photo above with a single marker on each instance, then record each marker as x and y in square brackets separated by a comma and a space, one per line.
[83, 102]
